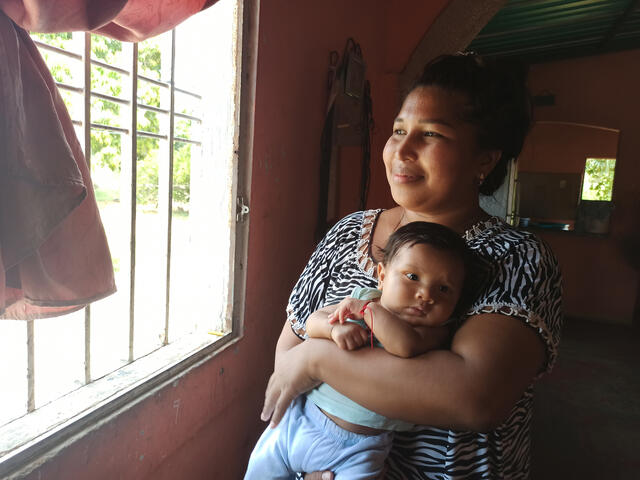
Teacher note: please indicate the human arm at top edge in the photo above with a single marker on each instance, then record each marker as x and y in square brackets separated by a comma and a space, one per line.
[286, 341]
[288, 381]
[474, 386]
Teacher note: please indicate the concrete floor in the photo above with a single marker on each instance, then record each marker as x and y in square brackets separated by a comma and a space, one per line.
[587, 411]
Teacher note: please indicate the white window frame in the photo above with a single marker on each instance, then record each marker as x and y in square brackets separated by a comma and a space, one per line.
[177, 360]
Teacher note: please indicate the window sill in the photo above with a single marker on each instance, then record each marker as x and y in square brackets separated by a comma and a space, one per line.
[49, 428]
[574, 233]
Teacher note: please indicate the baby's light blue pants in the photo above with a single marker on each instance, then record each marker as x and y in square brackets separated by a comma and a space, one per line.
[307, 441]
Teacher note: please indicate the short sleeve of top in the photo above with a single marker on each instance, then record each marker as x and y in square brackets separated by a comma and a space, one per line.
[517, 275]
[339, 262]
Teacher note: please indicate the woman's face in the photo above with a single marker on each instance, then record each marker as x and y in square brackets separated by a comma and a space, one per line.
[432, 158]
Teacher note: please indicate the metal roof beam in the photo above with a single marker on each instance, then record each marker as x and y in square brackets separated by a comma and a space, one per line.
[563, 21]
[618, 23]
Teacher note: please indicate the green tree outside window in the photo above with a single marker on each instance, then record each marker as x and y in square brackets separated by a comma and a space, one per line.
[106, 147]
[598, 179]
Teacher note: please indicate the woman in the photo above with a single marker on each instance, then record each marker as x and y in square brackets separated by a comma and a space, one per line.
[456, 131]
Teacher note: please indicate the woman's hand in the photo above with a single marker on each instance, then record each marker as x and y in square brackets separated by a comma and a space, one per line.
[349, 336]
[292, 376]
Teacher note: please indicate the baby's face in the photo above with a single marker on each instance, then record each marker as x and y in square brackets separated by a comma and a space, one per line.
[422, 284]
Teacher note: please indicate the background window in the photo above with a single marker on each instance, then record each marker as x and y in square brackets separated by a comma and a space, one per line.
[597, 183]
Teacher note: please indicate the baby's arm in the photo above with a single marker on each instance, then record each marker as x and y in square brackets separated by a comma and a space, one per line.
[348, 336]
[317, 325]
[400, 338]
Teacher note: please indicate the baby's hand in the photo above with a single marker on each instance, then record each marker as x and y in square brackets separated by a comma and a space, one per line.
[347, 308]
[349, 336]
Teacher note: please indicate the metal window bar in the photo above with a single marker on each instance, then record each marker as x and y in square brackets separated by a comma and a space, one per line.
[187, 92]
[187, 140]
[31, 374]
[172, 99]
[110, 98]
[134, 174]
[85, 90]
[144, 133]
[61, 51]
[154, 81]
[87, 155]
[144, 106]
[71, 88]
[188, 117]
[113, 68]
[109, 128]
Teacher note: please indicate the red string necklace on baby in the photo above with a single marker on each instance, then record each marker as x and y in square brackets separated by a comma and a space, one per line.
[366, 305]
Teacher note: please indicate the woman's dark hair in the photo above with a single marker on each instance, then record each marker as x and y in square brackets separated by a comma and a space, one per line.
[438, 236]
[499, 104]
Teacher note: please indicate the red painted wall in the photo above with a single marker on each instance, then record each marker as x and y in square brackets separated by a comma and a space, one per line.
[600, 274]
[204, 425]
[563, 148]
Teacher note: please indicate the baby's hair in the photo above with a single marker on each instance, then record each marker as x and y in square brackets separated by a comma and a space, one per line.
[417, 233]
[438, 236]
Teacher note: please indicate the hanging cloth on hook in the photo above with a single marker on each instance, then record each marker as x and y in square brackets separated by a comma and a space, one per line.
[348, 122]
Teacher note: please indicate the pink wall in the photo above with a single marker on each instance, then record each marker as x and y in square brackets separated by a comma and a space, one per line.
[601, 274]
[562, 148]
[204, 425]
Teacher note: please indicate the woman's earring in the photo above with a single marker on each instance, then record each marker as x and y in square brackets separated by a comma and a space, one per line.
[480, 179]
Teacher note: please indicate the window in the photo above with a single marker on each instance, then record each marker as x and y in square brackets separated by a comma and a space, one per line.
[597, 183]
[159, 123]
[595, 207]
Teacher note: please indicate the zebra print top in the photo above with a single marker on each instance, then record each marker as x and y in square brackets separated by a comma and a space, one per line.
[519, 277]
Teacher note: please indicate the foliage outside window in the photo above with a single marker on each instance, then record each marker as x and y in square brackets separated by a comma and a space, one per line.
[598, 179]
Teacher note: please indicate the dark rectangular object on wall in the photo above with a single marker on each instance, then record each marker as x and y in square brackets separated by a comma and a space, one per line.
[546, 195]
[547, 100]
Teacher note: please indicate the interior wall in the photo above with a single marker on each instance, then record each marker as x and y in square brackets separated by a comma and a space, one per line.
[563, 147]
[204, 425]
[600, 273]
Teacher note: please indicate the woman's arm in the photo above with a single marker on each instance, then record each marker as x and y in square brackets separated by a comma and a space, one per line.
[286, 341]
[289, 347]
[493, 358]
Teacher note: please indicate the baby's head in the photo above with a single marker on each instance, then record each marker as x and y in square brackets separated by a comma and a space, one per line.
[422, 273]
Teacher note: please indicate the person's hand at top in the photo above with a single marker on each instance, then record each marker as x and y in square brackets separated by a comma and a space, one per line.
[348, 308]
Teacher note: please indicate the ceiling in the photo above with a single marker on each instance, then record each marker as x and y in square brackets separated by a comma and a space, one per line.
[543, 30]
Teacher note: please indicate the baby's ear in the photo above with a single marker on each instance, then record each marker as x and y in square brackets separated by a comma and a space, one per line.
[380, 275]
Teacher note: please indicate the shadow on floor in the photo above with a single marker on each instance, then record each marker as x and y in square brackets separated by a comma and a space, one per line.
[586, 422]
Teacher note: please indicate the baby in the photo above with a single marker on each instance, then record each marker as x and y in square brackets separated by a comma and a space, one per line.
[420, 286]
